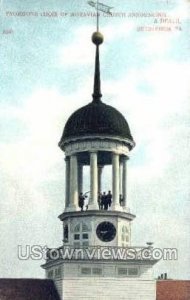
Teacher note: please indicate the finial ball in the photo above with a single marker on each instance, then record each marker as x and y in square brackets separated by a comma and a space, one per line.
[97, 38]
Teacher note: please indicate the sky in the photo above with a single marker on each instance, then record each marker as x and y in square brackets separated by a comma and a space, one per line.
[46, 73]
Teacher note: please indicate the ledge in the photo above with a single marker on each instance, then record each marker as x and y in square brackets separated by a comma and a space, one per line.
[103, 137]
[137, 262]
[92, 213]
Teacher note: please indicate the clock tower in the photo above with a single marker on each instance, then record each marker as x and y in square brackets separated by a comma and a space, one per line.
[97, 260]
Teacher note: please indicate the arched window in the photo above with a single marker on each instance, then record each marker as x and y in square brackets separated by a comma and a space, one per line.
[85, 228]
[125, 229]
[66, 233]
[125, 236]
[81, 235]
[77, 228]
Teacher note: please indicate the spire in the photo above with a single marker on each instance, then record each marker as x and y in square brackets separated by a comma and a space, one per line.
[97, 39]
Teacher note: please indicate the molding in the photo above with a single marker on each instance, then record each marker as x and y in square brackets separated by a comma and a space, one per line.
[95, 145]
[92, 213]
[118, 262]
[102, 137]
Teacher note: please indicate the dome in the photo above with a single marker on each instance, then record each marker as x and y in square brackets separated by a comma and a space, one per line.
[97, 118]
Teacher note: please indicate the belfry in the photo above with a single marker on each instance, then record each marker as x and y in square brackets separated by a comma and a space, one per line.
[96, 135]
[97, 260]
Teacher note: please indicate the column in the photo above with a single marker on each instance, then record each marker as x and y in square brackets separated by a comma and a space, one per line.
[73, 182]
[125, 181]
[80, 178]
[115, 180]
[93, 203]
[67, 181]
[100, 169]
[120, 178]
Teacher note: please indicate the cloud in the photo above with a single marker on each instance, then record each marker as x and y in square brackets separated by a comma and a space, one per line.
[158, 120]
[157, 43]
[181, 10]
[81, 47]
[33, 160]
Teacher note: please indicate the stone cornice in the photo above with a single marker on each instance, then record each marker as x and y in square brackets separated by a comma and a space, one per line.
[96, 144]
[117, 262]
[125, 141]
[92, 213]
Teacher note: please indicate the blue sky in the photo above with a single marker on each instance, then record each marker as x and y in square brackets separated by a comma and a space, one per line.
[46, 72]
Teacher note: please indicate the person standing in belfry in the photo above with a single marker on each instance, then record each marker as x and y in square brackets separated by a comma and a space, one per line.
[81, 201]
[99, 200]
[109, 198]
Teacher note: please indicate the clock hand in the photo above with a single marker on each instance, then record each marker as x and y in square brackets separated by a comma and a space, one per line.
[103, 231]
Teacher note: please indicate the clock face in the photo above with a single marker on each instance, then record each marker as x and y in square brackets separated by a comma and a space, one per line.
[106, 231]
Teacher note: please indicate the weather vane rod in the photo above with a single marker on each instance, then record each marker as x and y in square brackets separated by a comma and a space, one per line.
[97, 39]
[97, 14]
[100, 7]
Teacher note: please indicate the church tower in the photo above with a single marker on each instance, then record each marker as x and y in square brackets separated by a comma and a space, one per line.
[97, 260]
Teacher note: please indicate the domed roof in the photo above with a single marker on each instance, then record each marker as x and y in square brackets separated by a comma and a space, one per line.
[96, 118]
